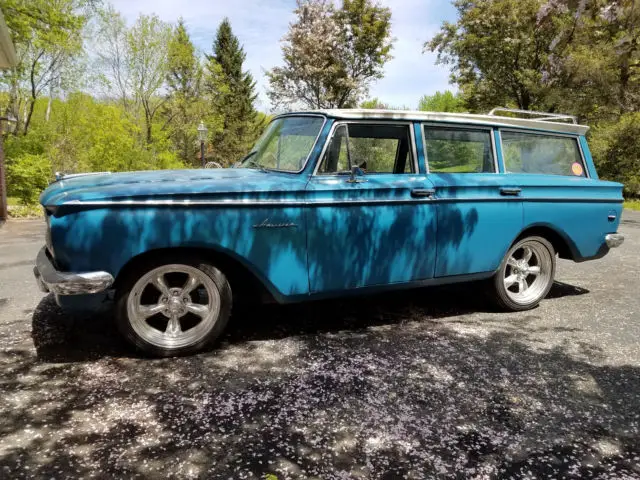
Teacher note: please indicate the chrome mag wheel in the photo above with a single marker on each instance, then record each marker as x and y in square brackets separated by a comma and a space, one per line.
[528, 272]
[173, 306]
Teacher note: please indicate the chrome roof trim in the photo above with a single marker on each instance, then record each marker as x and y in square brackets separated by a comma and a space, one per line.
[466, 118]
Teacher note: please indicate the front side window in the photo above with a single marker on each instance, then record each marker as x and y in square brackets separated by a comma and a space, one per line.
[285, 144]
[458, 150]
[546, 154]
[375, 148]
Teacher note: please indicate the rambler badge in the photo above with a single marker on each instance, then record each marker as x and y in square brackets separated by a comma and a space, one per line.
[266, 224]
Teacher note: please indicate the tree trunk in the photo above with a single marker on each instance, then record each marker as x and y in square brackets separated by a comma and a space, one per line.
[34, 93]
[47, 114]
[27, 120]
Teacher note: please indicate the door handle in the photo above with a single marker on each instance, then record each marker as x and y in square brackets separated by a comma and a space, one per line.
[423, 192]
[510, 191]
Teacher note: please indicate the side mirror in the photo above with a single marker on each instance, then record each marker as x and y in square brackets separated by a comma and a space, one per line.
[356, 172]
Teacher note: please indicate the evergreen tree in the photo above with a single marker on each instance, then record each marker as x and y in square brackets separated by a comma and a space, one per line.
[183, 110]
[232, 93]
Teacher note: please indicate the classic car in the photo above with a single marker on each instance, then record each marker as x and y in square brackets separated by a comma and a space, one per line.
[331, 203]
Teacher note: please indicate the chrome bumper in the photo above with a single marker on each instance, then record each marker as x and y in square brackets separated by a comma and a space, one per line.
[63, 283]
[614, 240]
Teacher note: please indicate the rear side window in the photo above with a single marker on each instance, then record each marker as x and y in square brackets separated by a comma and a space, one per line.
[546, 154]
[458, 150]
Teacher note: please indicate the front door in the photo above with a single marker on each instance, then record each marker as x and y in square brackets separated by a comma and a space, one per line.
[375, 228]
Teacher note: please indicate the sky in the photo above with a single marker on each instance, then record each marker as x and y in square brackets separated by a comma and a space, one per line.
[261, 24]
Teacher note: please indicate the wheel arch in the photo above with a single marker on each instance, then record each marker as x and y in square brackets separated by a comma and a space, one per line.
[242, 278]
[562, 243]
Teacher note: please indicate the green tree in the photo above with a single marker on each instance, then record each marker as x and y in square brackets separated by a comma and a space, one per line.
[47, 37]
[616, 150]
[497, 52]
[112, 54]
[232, 93]
[374, 104]
[183, 109]
[148, 42]
[27, 176]
[594, 61]
[446, 101]
[332, 55]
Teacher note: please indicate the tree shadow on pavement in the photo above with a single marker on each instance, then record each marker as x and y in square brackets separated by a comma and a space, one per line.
[390, 387]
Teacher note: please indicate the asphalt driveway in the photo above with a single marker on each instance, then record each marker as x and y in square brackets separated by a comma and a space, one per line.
[420, 384]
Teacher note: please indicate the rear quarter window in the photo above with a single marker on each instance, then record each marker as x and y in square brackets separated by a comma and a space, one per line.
[538, 153]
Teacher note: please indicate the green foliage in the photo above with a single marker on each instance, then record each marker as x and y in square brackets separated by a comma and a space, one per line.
[616, 151]
[27, 176]
[374, 104]
[232, 94]
[148, 42]
[446, 101]
[84, 135]
[332, 55]
[497, 52]
[594, 66]
[554, 55]
[184, 108]
[25, 211]
[48, 40]
[632, 204]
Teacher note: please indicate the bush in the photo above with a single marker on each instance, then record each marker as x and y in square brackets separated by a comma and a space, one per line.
[616, 152]
[27, 176]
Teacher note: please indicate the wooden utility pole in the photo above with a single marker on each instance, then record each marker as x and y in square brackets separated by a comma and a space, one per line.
[8, 59]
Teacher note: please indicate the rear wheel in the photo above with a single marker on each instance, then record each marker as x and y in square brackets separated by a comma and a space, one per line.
[174, 308]
[525, 275]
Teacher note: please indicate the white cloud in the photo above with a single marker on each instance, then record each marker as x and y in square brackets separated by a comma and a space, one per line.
[260, 25]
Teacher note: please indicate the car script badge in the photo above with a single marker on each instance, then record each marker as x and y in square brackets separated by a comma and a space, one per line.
[267, 224]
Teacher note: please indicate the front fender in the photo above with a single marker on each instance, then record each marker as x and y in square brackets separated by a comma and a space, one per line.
[270, 241]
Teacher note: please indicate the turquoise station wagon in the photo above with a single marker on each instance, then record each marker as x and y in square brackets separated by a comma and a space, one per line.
[330, 203]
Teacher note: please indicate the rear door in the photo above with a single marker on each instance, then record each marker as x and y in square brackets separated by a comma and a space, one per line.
[479, 210]
[374, 229]
[560, 188]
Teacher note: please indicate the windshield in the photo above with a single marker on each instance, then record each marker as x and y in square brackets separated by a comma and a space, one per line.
[285, 144]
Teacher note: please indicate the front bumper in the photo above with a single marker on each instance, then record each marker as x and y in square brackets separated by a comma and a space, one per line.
[614, 240]
[65, 283]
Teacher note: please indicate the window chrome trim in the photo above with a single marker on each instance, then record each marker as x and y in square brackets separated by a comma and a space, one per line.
[315, 143]
[576, 138]
[486, 128]
[337, 123]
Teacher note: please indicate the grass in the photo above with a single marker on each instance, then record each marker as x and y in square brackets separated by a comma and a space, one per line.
[632, 204]
[18, 210]
[25, 211]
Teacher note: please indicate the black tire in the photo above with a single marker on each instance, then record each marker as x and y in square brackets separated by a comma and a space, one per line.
[507, 299]
[206, 340]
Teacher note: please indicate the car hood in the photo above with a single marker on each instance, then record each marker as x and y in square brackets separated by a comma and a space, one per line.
[164, 184]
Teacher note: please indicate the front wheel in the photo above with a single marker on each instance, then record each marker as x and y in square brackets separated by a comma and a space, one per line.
[525, 275]
[173, 308]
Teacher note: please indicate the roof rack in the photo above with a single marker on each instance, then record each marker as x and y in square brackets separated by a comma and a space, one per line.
[533, 115]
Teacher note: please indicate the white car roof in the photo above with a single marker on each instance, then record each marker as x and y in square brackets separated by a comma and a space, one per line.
[466, 118]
